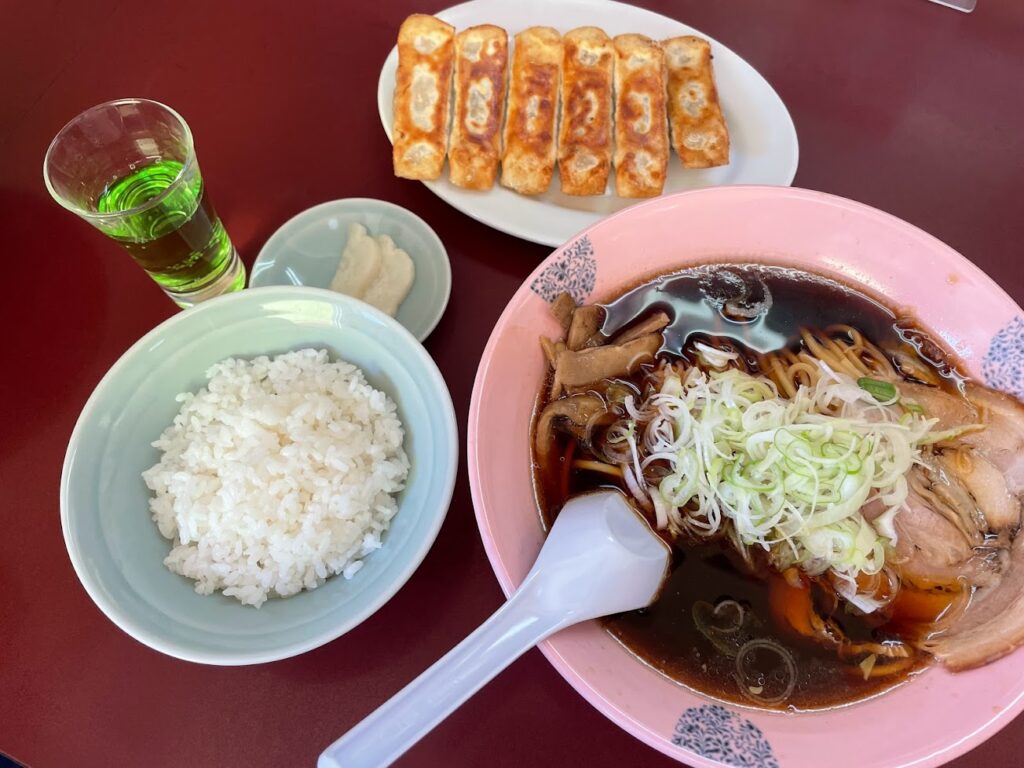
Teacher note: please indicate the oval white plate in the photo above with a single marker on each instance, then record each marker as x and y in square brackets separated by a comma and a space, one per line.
[763, 138]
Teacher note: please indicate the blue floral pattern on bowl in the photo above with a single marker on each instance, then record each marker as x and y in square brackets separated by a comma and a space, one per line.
[714, 732]
[574, 271]
[1003, 364]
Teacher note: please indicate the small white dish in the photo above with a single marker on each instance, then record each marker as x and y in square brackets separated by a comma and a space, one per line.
[764, 143]
[306, 250]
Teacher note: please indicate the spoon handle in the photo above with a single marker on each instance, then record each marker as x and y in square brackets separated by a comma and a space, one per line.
[411, 713]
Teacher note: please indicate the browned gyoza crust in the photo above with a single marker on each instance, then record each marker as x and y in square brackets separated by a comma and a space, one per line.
[528, 162]
[699, 133]
[422, 86]
[481, 73]
[641, 127]
[585, 136]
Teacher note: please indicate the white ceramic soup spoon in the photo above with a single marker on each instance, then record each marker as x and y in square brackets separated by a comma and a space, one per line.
[600, 558]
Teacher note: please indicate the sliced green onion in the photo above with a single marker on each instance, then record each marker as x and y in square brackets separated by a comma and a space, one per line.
[882, 391]
[786, 475]
[950, 434]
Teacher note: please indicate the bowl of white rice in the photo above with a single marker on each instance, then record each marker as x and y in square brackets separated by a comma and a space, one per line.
[258, 475]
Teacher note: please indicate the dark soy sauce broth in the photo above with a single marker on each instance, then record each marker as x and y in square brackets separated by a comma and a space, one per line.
[759, 309]
[762, 309]
[665, 637]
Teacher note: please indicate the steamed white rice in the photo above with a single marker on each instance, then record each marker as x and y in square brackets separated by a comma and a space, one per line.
[278, 474]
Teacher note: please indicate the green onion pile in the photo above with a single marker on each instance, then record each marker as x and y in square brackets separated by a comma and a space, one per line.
[722, 450]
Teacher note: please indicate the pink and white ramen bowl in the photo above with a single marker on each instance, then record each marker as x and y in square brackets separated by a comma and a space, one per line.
[934, 715]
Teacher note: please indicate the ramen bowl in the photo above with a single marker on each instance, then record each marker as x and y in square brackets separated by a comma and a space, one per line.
[935, 715]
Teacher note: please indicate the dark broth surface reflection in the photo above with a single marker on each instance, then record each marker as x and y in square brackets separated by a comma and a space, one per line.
[665, 637]
[762, 309]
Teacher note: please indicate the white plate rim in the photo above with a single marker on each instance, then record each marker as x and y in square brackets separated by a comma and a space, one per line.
[522, 227]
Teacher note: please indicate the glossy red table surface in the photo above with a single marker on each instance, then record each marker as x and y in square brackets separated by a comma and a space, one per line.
[902, 104]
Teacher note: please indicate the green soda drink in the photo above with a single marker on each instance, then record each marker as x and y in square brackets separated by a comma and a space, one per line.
[129, 168]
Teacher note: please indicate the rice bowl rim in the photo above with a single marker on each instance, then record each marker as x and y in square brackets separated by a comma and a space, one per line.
[422, 363]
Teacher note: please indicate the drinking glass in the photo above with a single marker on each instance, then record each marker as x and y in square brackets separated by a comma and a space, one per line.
[129, 168]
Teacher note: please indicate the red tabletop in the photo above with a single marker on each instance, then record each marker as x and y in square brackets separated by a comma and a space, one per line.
[901, 104]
